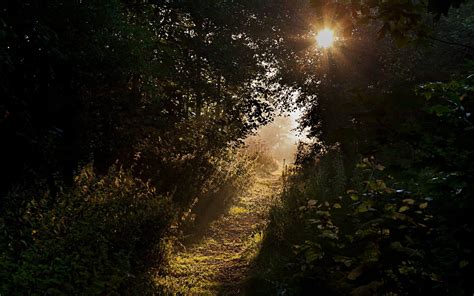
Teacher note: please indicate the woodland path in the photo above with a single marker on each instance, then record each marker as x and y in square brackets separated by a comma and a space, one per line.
[219, 263]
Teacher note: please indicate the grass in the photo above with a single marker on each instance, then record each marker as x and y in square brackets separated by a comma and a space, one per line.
[236, 210]
[220, 262]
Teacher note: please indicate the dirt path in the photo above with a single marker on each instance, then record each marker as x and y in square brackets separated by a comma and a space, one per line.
[219, 263]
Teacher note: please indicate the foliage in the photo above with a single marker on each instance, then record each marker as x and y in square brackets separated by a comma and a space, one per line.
[402, 20]
[172, 81]
[93, 238]
[371, 239]
[170, 88]
[401, 146]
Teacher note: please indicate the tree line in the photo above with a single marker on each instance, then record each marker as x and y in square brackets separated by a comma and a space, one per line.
[379, 201]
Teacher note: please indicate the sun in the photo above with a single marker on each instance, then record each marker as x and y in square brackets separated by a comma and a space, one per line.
[325, 38]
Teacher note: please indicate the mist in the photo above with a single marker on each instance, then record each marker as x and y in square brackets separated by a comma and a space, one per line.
[279, 139]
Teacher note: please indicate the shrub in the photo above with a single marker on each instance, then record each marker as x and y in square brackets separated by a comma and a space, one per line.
[374, 237]
[93, 238]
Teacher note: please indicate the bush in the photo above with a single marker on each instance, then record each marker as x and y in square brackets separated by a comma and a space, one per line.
[368, 239]
[93, 238]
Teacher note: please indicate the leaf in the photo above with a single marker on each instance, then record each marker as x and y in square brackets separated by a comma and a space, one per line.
[428, 95]
[423, 205]
[440, 110]
[409, 201]
[362, 209]
[403, 209]
[354, 197]
[378, 185]
[379, 167]
[328, 234]
[342, 259]
[356, 272]
[337, 206]
[396, 246]
[311, 255]
[312, 202]
[369, 289]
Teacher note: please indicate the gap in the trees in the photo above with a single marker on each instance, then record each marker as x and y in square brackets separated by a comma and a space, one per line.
[279, 139]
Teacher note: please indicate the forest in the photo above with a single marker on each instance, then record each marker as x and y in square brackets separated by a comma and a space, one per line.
[236, 147]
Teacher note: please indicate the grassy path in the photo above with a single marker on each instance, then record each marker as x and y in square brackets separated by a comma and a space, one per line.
[219, 263]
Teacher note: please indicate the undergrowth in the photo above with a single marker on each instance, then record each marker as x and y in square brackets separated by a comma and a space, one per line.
[104, 234]
[363, 236]
[96, 236]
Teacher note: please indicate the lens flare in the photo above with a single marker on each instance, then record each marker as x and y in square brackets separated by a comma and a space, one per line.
[325, 38]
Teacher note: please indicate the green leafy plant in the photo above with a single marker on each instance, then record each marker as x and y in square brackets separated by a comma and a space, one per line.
[94, 237]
